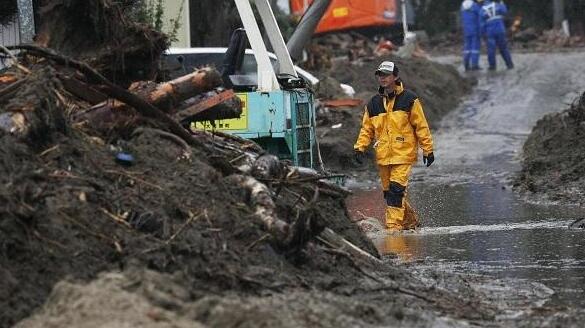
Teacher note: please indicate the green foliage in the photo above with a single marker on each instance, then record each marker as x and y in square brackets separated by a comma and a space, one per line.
[8, 10]
[437, 16]
[176, 23]
[151, 12]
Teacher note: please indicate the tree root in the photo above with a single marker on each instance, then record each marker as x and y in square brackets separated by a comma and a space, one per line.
[116, 92]
[296, 235]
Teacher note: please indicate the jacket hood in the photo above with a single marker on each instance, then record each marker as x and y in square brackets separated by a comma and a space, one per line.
[398, 88]
[467, 4]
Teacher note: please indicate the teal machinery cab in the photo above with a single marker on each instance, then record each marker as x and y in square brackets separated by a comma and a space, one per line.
[278, 111]
[281, 122]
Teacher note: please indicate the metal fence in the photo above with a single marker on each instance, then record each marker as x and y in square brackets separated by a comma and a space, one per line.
[9, 36]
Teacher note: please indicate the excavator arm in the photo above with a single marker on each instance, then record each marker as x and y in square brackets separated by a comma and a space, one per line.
[267, 80]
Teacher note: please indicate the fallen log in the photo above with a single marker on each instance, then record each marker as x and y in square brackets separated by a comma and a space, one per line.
[334, 240]
[324, 181]
[82, 90]
[229, 109]
[264, 207]
[166, 97]
[169, 95]
[222, 104]
[7, 79]
[285, 234]
[234, 145]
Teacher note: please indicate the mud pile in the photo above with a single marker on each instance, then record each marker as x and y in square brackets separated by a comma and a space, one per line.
[553, 164]
[70, 209]
[439, 86]
[146, 298]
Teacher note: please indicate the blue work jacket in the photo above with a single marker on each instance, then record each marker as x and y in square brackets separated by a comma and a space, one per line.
[470, 17]
[492, 17]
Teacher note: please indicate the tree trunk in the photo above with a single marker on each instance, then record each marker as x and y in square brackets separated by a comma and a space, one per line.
[558, 13]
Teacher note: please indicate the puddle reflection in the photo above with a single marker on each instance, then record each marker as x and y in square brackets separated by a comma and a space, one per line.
[406, 247]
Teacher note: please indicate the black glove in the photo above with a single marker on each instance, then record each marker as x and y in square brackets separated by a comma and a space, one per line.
[429, 159]
[359, 156]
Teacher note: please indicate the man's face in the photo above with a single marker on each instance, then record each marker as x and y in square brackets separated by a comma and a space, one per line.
[386, 80]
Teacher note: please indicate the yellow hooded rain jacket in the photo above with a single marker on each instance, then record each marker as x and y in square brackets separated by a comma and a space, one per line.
[397, 125]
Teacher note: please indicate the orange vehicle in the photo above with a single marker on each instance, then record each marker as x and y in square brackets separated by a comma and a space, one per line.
[353, 14]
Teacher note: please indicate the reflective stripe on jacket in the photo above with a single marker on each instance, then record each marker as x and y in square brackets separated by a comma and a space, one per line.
[397, 125]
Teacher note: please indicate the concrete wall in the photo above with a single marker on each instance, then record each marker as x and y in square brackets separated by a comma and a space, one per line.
[9, 36]
[172, 8]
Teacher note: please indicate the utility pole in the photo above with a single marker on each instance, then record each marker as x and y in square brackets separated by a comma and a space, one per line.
[404, 20]
[27, 21]
[558, 13]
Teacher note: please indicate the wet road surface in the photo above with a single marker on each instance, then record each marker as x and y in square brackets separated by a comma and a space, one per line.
[472, 221]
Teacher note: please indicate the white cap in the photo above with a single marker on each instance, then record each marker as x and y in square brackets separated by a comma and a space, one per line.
[386, 67]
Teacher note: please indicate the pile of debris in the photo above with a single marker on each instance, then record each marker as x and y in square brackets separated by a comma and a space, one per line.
[94, 176]
[325, 50]
[553, 162]
[99, 169]
[549, 40]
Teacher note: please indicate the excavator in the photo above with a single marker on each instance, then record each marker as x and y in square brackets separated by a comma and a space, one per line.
[388, 18]
[346, 15]
[278, 106]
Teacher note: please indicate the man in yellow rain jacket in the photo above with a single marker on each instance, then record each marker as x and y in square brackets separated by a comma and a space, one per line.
[395, 122]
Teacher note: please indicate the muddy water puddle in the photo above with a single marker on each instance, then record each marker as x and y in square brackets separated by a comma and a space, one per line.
[472, 221]
[484, 229]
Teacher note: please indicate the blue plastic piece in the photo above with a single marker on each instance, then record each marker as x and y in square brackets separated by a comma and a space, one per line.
[124, 158]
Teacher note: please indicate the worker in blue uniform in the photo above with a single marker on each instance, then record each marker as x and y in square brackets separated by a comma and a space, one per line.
[492, 18]
[471, 21]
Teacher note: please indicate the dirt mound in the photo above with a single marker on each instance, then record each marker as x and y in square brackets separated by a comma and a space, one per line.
[69, 208]
[146, 298]
[439, 86]
[553, 162]
[109, 301]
